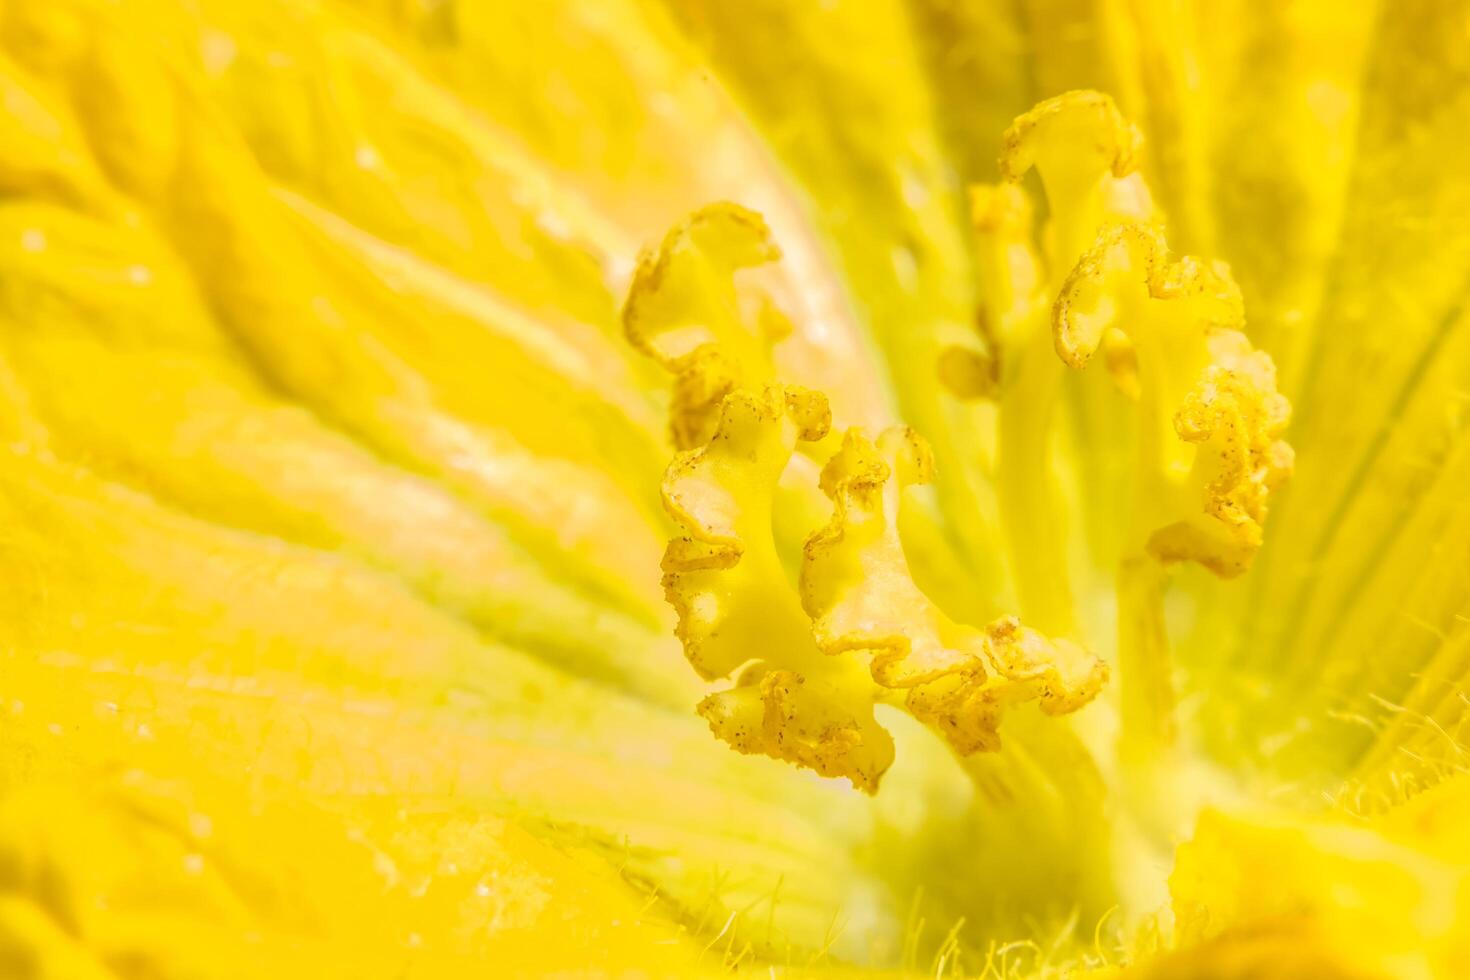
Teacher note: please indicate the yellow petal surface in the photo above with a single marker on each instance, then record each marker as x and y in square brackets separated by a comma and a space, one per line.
[1383, 899]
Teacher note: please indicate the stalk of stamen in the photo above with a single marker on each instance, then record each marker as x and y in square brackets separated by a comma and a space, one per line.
[1024, 378]
[1208, 452]
[1031, 515]
[1207, 414]
[1082, 149]
[1145, 662]
[1145, 657]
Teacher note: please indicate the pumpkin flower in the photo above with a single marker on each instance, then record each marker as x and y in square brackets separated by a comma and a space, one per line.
[676, 488]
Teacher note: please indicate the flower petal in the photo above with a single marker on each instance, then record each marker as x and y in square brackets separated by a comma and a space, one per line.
[1386, 899]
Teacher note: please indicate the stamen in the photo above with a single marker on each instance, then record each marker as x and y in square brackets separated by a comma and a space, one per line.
[1084, 153]
[810, 669]
[725, 580]
[813, 661]
[723, 577]
[1208, 452]
[1017, 371]
[1210, 418]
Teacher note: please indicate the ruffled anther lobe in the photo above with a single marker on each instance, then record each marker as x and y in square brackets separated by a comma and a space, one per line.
[725, 580]
[858, 588]
[1210, 417]
[684, 311]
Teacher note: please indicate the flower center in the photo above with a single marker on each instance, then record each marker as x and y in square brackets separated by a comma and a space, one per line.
[789, 571]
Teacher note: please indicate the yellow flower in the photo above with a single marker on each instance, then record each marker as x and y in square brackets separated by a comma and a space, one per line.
[435, 433]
